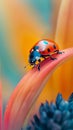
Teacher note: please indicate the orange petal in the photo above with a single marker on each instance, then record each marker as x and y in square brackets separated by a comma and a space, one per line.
[64, 37]
[64, 29]
[28, 90]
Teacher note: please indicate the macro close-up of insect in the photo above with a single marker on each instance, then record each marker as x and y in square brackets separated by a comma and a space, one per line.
[36, 77]
[43, 49]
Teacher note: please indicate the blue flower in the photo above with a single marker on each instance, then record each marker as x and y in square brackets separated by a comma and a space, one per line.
[54, 116]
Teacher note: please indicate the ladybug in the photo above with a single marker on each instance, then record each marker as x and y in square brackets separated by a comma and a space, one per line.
[43, 49]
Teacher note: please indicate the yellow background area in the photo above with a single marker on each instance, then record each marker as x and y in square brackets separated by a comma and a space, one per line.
[24, 29]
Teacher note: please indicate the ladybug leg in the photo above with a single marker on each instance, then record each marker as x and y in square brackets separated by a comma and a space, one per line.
[34, 65]
[43, 56]
[59, 52]
[52, 58]
[39, 67]
[39, 64]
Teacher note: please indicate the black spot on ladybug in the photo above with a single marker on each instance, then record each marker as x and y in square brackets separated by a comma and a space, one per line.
[48, 50]
[54, 46]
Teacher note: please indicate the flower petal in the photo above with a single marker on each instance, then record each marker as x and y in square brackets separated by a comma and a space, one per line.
[64, 31]
[64, 37]
[28, 90]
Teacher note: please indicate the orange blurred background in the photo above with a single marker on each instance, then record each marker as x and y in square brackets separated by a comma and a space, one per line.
[23, 23]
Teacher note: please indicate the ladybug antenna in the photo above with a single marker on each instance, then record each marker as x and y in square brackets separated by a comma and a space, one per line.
[26, 66]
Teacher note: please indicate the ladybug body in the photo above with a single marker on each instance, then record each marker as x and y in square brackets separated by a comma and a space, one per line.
[42, 49]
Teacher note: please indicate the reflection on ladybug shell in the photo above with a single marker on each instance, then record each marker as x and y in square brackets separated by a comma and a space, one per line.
[47, 46]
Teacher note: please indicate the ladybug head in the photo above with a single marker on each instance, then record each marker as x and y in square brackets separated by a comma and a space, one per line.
[33, 57]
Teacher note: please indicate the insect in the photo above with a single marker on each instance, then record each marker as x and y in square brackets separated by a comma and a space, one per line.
[43, 49]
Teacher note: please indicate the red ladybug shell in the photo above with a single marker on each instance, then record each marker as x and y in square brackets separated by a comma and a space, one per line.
[46, 46]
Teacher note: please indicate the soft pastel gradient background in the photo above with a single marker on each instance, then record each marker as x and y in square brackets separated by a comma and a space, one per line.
[23, 23]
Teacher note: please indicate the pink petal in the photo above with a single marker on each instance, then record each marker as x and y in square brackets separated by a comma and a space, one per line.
[0, 105]
[28, 90]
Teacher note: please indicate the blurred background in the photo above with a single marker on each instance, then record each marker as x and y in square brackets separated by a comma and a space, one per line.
[23, 23]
